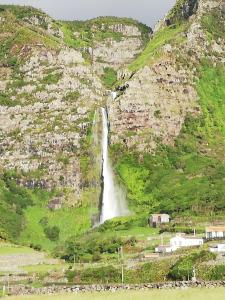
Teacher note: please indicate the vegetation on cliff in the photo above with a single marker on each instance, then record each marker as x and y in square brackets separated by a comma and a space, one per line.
[89, 32]
[187, 178]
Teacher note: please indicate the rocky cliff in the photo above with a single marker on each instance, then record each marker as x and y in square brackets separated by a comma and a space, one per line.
[166, 123]
[162, 91]
[167, 127]
[49, 93]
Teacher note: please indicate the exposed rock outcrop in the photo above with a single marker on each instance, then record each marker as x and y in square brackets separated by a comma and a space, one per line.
[154, 107]
[161, 94]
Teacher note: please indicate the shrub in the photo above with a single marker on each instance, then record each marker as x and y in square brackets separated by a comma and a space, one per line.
[44, 221]
[73, 96]
[102, 275]
[52, 78]
[110, 77]
[52, 233]
[6, 101]
[36, 247]
[63, 159]
[218, 273]
[183, 268]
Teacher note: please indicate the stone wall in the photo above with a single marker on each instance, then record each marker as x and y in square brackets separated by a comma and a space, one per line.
[26, 290]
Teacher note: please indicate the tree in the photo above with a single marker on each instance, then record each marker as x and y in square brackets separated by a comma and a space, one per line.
[52, 233]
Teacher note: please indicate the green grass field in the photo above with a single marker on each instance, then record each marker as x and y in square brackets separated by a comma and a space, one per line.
[44, 268]
[69, 220]
[190, 294]
[6, 249]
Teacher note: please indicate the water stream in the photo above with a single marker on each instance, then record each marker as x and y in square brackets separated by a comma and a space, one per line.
[113, 197]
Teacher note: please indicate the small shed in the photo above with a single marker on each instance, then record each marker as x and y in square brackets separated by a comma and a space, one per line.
[158, 219]
[219, 248]
[164, 249]
[214, 232]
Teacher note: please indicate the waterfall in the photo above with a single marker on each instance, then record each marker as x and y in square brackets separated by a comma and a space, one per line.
[113, 197]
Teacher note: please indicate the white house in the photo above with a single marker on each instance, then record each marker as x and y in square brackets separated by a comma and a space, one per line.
[219, 248]
[179, 241]
[182, 240]
[214, 232]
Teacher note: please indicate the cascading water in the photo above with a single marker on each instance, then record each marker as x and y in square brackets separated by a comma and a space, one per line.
[113, 199]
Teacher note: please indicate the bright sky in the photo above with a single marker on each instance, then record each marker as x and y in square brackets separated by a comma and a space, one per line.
[146, 11]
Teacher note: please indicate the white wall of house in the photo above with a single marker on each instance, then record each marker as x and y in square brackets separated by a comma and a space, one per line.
[179, 241]
[219, 248]
[182, 241]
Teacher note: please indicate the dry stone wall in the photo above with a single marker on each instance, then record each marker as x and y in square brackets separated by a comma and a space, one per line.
[26, 290]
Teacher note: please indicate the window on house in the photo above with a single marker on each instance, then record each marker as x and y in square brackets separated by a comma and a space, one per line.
[209, 235]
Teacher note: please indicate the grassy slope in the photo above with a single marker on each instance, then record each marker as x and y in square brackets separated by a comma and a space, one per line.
[153, 49]
[70, 221]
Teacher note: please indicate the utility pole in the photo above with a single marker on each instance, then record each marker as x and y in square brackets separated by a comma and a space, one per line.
[8, 283]
[3, 290]
[162, 241]
[122, 266]
[74, 257]
[194, 278]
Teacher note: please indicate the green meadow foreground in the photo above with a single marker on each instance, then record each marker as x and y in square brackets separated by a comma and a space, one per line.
[190, 294]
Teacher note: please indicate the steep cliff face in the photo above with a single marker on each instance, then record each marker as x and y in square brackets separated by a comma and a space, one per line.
[50, 93]
[120, 51]
[162, 91]
[167, 130]
[154, 107]
[111, 42]
[48, 99]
